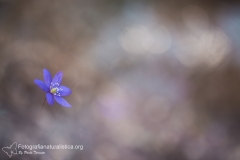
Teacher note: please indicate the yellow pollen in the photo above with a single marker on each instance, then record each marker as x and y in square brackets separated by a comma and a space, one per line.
[53, 90]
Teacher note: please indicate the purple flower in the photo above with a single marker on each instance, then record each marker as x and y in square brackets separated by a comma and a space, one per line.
[53, 89]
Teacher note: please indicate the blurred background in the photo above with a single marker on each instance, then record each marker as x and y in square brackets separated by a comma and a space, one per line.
[151, 80]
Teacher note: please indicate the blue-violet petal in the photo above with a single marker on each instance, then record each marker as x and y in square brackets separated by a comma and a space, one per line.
[50, 98]
[41, 85]
[47, 77]
[62, 101]
[64, 91]
[58, 78]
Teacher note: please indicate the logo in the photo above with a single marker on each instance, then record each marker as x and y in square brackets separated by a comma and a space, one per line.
[12, 149]
[23, 149]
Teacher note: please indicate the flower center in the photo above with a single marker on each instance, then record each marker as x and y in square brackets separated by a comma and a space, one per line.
[54, 89]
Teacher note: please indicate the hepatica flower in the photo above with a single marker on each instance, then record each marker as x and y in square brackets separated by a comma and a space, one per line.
[53, 88]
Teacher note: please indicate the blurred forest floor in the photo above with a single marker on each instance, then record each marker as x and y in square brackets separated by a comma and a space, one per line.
[151, 79]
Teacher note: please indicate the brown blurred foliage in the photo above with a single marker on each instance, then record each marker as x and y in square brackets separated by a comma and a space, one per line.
[150, 79]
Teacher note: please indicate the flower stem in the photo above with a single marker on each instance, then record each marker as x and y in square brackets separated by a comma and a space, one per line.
[42, 105]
